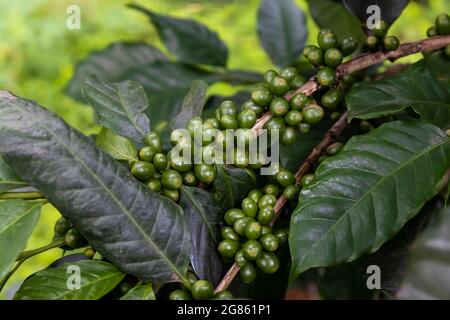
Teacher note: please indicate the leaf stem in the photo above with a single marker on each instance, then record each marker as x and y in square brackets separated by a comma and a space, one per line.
[21, 195]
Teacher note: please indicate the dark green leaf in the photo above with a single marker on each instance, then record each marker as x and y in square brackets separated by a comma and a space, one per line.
[97, 278]
[416, 87]
[140, 292]
[189, 40]
[17, 221]
[110, 63]
[139, 231]
[232, 185]
[332, 14]
[8, 179]
[205, 219]
[237, 77]
[389, 9]
[167, 84]
[364, 195]
[120, 107]
[428, 271]
[282, 30]
[192, 105]
[118, 147]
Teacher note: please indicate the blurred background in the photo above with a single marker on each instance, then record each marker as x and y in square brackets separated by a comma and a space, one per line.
[38, 54]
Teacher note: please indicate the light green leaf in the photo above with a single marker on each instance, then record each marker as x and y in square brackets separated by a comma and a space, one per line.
[140, 292]
[17, 221]
[97, 278]
[364, 195]
[118, 147]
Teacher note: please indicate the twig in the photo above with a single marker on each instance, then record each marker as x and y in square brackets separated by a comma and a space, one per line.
[362, 62]
[21, 195]
[307, 165]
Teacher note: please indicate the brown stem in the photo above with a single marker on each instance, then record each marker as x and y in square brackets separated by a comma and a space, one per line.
[362, 62]
[307, 165]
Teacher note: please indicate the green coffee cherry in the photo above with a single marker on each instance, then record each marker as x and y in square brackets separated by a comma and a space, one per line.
[266, 215]
[250, 105]
[267, 200]
[173, 195]
[293, 118]
[365, 126]
[443, 24]
[285, 178]
[333, 57]
[89, 252]
[252, 230]
[289, 136]
[381, 30]
[228, 108]
[180, 165]
[391, 43]
[147, 153]
[228, 122]
[246, 119]
[335, 115]
[268, 262]
[154, 185]
[62, 226]
[189, 179]
[275, 123]
[262, 97]
[249, 207]
[304, 127]
[191, 278]
[229, 233]
[291, 192]
[171, 179]
[281, 235]
[240, 224]
[308, 179]
[348, 46]
[299, 101]
[152, 139]
[334, 148]
[232, 215]
[223, 295]
[228, 248]
[202, 290]
[194, 124]
[332, 98]
[372, 43]
[289, 73]
[74, 239]
[327, 40]
[271, 189]
[160, 161]
[269, 242]
[432, 32]
[298, 81]
[255, 194]
[248, 273]
[239, 258]
[143, 170]
[326, 76]
[279, 86]
[266, 230]
[206, 173]
[252, 249]
[312, 114]
[314, 56]
[211, 123]
[279, 107]
[349, 80]
[269, 75]
[180, 295]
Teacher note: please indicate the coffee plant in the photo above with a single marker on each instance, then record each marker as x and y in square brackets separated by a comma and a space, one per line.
[150, 209]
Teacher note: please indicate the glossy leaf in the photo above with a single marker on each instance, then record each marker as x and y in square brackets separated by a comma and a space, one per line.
[8, 179]
[110, 63]
[167, 84]
[417, 87]
[17, 221]
[192, 105]
[332, 14]
[120, 148]
[282, 30]
[389, 9]
[364, 195]
[97, 278]
[189, 40]
[120, 107]
[428, 271]
[205, 219]
[140, 292]
[141, 232]
[232, 185]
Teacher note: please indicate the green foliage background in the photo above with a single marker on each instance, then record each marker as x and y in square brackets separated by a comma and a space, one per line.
[38, 53]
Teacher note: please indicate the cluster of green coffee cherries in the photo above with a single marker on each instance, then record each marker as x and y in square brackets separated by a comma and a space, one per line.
[199, 290]
[441, 28]
[73, 239]
[379, 40]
